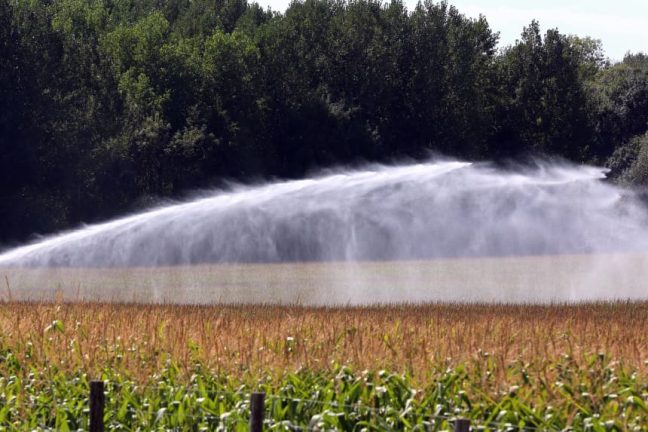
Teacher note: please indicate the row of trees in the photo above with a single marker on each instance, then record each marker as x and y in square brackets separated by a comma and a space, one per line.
[106, 105]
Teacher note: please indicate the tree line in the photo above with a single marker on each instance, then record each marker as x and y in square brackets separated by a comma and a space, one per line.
[109, 105]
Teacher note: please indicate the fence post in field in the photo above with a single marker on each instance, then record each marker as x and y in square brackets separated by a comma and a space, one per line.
[97, 401]
[461, 425]
[257, 408]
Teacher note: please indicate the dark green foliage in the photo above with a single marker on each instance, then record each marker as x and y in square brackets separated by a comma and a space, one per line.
[629, 163]
[109, 104]
[545, 107]
[622, 100]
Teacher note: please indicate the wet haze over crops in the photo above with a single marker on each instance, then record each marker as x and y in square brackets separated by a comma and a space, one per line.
[437, 231]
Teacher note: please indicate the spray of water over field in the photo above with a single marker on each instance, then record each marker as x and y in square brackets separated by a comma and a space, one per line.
[438, 231]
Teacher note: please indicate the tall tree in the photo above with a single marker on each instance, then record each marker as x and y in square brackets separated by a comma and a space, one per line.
[545, 106]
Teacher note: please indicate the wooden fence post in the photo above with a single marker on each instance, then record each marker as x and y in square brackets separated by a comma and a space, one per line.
[257, 410]
[97, 401]
[461, 425]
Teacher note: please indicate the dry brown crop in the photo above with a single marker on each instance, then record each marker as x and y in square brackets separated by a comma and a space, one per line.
[248, 340]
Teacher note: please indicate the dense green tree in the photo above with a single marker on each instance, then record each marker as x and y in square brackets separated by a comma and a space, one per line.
[545, 102]
[107, 105]
[621, 93]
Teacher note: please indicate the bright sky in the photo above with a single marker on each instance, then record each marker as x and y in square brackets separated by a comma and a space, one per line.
[622, 25]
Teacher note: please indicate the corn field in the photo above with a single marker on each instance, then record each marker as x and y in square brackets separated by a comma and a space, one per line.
[365, 368]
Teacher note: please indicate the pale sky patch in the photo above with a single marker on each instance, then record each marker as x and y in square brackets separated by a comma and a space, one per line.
[621, 25]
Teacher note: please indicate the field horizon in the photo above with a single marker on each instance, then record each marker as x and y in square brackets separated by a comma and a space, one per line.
[517, 280]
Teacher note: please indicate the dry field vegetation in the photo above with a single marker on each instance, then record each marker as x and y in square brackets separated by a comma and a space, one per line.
[248, 340]
[584, 366]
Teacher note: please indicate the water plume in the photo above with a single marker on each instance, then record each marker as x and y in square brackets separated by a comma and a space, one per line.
[352, 225]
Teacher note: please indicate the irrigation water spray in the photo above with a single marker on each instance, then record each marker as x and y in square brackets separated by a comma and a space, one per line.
[437, 231]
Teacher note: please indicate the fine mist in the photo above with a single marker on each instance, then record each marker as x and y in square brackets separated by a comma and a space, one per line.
[351, 228]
